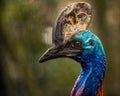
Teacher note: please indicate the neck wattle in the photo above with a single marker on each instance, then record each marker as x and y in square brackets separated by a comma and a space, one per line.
[90, 80]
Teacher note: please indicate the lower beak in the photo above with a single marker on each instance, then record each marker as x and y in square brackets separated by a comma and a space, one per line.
[57, 52]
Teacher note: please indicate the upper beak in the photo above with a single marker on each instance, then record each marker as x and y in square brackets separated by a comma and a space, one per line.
[57, 52]
[49, 54]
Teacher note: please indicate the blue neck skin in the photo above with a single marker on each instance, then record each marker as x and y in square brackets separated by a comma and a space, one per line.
[93, 65]
[91, 77]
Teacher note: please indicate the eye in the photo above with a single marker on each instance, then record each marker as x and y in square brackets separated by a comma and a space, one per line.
[76, 44]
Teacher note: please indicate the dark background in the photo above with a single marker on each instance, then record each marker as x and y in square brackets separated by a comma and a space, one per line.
[25, 34]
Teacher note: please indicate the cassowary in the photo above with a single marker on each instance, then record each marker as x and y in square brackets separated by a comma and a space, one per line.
[72, 39]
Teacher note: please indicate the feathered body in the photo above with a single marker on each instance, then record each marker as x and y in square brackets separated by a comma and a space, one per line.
[72, 39]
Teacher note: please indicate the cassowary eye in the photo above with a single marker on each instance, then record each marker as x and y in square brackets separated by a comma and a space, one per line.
[76, 44]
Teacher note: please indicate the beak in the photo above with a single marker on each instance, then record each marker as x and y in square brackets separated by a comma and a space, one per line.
[57, 52]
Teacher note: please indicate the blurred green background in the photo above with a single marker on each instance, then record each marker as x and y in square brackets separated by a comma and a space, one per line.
[25, 34]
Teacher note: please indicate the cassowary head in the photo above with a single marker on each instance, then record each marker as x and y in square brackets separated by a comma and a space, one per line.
[83, 47]
[73, 20]
[72, 39]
